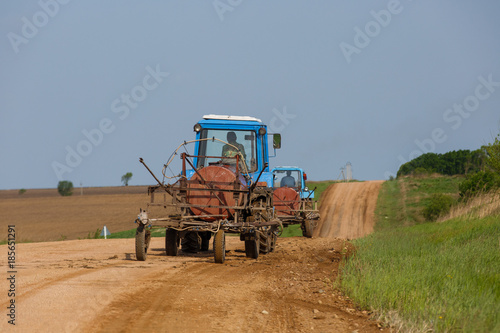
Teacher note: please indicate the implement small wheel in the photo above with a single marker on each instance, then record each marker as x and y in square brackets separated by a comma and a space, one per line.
[220, 247]
[252, 245]
[171, 242]
[308, 228]
[142, 238]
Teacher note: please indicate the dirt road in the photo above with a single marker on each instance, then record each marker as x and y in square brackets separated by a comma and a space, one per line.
[98, 286]
[347, 210]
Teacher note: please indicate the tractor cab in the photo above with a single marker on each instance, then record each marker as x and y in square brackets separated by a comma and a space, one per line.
[239, 143]
[292, 177]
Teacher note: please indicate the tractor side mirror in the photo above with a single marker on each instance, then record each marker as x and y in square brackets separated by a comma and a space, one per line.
[276, 141]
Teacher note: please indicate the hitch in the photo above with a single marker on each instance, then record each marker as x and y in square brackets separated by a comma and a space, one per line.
[142, 218]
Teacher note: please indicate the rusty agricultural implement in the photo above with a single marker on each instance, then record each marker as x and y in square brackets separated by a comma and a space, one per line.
[224, 187]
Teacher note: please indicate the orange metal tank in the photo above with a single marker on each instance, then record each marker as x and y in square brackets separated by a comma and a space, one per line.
[286, 201]
[218, 177]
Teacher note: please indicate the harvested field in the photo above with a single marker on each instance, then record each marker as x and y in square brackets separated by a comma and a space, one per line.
[44, 215]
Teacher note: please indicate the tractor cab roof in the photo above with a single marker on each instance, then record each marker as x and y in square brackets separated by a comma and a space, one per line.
[226, 117]
[230, 122]
[287, 168]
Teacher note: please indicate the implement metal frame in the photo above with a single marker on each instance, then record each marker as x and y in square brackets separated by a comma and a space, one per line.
[231, 222]
[301, 214]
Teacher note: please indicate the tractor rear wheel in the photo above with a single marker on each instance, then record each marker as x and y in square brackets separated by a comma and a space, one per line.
[252, 245]
[142, 238]
[220, 247]
[171, 242]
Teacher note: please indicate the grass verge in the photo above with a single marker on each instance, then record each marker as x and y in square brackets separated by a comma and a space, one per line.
[441, 276]
[131, 233]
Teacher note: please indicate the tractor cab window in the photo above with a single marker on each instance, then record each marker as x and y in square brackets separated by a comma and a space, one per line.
[222, 146]
[287, 178]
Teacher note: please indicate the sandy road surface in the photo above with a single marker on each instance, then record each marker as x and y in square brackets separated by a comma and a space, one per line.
[347, 210]
[98, 286]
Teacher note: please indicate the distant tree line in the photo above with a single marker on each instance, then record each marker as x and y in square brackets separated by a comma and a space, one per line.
[481, 168]
[487, 179]
[460, 162]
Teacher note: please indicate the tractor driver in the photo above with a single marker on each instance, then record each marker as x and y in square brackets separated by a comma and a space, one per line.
[231, 149]
[288, 180]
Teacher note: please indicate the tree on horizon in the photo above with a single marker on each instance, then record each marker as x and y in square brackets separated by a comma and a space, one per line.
[126, 177]
[65, 188]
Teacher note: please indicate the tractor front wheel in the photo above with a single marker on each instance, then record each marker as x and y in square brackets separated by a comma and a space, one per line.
[274, 238]
[191, 243]
[265, 243]
[205, 240]
[308, 228]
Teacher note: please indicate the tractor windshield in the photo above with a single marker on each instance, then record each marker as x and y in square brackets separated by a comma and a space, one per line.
[288, 178]
[236, 142]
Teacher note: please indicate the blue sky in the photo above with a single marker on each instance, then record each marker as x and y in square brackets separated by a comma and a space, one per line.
[372, 83]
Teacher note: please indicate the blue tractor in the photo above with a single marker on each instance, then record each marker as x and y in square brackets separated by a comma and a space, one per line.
[293, 201]
[225, 186]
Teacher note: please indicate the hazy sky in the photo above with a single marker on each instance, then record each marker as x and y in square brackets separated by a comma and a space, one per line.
[88, 87]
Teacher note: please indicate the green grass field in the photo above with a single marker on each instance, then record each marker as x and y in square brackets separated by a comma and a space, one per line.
[418, 275]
